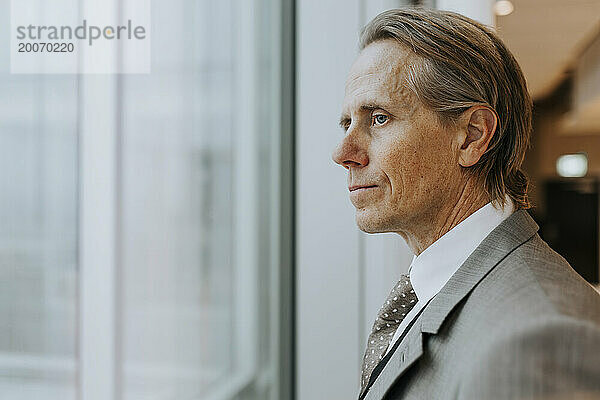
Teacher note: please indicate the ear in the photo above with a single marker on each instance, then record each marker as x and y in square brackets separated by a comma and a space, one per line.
[476, 136]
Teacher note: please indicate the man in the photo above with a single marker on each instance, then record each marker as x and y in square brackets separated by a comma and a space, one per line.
[437, 120]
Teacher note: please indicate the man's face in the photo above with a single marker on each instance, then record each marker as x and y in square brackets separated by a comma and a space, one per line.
[402, 165]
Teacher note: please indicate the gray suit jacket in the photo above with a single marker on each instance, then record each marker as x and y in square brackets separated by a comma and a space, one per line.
[514, 322]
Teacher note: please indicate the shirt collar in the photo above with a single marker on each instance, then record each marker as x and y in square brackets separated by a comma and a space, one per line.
[432, 269]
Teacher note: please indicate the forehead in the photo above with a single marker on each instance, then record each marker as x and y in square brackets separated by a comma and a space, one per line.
[379, 76]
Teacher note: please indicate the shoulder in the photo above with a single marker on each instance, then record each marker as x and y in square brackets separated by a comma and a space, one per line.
[532, 282]
[540, 327]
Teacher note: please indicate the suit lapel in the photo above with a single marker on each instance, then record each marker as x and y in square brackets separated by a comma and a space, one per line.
[511, 233]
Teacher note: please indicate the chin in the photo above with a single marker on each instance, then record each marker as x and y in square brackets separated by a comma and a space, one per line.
[370, 221]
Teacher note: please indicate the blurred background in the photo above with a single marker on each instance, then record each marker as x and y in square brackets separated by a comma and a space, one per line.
[184, 234]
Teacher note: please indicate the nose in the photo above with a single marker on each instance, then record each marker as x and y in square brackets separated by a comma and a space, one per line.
[349, 153]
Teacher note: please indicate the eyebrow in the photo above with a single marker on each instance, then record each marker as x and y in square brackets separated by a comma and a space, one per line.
[344, 119]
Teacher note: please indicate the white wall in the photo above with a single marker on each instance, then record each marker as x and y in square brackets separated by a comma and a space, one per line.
[328, 244]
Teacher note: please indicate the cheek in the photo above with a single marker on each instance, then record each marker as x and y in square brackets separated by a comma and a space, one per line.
[404, 163]
[399, 163]
[414, 159]
[416, 168]
[436, 171]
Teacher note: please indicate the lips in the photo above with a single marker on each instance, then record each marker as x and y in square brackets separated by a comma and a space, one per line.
[356, 187]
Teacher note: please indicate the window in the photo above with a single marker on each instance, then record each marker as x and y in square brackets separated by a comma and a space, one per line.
[145, 234]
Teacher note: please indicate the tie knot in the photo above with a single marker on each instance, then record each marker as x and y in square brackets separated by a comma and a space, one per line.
[400, 301]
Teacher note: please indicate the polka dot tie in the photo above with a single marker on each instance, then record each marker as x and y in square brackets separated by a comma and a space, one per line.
[400, 301]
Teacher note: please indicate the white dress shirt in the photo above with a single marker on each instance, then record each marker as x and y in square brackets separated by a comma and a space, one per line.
[433, 268]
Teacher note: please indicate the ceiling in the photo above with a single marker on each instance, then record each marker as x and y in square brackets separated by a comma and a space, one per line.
[546, 37]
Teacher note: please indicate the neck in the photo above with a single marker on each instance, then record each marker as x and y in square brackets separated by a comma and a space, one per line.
[437, 223]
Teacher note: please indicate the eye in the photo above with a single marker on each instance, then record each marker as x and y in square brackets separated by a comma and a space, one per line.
[379, 119]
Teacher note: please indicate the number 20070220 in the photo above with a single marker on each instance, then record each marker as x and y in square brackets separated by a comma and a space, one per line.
[46, 47]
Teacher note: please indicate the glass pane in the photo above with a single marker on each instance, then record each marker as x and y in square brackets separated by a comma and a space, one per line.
[182, 336]
[38, 232]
